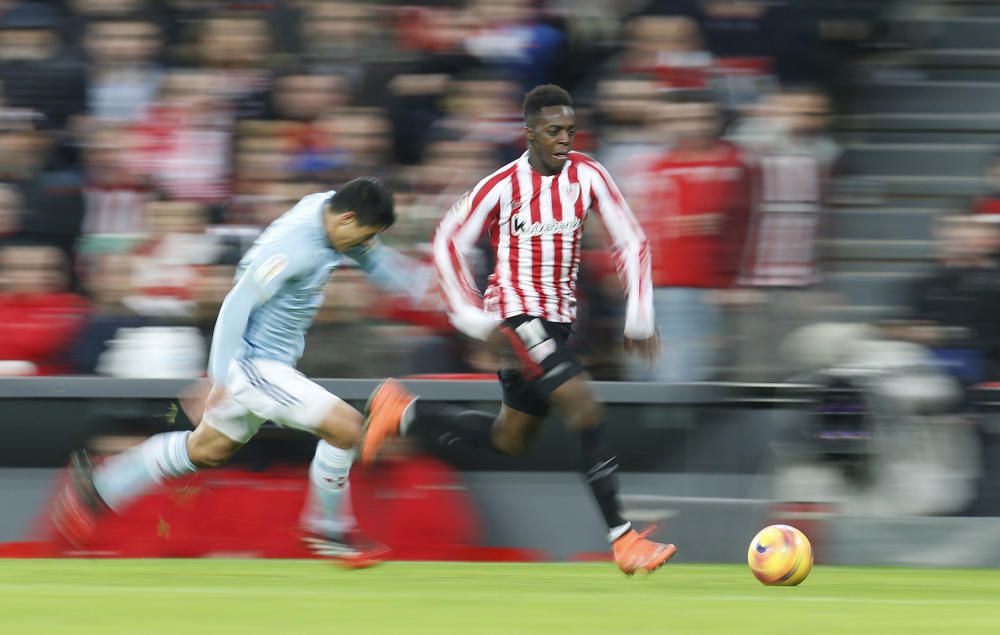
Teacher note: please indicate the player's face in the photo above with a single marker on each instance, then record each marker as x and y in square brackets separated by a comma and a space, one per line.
[551, 138]
[346, 232]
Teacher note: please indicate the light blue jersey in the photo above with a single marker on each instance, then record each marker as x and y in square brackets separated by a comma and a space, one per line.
[279, 287]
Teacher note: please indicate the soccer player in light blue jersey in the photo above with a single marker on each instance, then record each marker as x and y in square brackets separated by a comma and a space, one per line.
[259, 337]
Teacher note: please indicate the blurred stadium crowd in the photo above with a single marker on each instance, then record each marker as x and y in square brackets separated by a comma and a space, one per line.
[143, 146]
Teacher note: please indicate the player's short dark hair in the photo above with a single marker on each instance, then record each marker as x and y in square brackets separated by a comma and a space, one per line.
[367, 197]
[542, 97]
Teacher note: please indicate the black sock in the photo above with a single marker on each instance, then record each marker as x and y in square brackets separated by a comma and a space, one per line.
[599, 467]
[447, 423]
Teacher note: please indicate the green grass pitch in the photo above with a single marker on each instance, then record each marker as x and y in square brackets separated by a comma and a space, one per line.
[291, 597]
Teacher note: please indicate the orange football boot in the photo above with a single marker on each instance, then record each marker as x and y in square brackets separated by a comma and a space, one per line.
[352, 550]
[78, 506]
[633, 552]
[382, 417]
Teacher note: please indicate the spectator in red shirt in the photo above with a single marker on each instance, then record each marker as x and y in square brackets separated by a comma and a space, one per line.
[697, 202]
[38, 316]
[670, 48]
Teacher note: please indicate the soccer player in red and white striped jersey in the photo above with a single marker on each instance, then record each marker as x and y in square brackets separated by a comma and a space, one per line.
[535, 222]
[534, 210]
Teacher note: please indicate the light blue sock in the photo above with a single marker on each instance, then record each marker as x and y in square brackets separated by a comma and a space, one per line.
[128, 475]
[327, 509]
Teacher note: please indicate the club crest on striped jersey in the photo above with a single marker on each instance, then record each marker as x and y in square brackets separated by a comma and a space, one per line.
[521, 225]
[570, 192]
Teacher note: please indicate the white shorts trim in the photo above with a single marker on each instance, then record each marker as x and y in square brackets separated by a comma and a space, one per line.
[265, 390]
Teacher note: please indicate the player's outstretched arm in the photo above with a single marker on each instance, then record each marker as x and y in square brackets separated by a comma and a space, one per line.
[393, 271]
[632, 257]
[466, 221]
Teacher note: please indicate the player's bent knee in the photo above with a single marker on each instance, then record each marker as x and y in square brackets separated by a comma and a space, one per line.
[209, 448]
[576, 401]
[510, 439]
[508, 443]
[587, 414]
[212, 455]
[342, 426]
[209, 456]
[514, 434]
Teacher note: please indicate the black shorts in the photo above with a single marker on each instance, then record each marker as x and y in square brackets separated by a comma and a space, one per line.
[550, 347]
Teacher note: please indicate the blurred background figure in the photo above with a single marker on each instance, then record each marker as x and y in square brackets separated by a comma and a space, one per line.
[124, 54]
[37, 69]
[299, 104]
[694, 209]
[669, 48]
[342, 38]
[115, 195]
[484, 108]
[235, 51]
[627, 111]
[952, 310]
[11, 211]
[38, 164]
[777, 37]
[167, 264]
[512, 37]
[109, 282]
[890, 435]
[183, 145]
[38, 314]
[795, 159]
[361, 138]
[988, 201]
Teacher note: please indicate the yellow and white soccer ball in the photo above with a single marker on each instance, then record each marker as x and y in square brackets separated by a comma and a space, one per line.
[780, 555]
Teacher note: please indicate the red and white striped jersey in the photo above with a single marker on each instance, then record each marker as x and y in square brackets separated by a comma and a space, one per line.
[782, 246]
[115, 210]
[535, 224]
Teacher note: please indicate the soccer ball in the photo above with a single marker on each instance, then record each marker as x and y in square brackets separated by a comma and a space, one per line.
[780, 555]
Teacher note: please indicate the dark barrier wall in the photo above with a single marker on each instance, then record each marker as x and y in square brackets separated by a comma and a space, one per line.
[698, 427]
[700, 458]
[727, 430]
